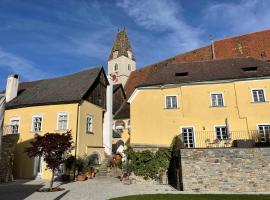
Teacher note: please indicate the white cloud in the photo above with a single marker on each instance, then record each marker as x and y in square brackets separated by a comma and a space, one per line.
[163, 16]
[20, 66]
[237, 17]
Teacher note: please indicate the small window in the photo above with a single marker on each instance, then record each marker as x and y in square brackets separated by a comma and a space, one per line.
[116, 67]
[181, 74]
[221, 132]
[37, 123]
[14, 125]
[264, 132]
[258, 95]
[62, 122]
[129, 67]
[115, 54]
[217, 100]
[249, 69]
[89, 124]
[171, 102]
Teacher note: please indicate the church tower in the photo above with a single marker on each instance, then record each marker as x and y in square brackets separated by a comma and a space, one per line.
[121, 61]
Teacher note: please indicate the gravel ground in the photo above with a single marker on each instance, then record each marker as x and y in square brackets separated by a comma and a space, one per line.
[96, 189]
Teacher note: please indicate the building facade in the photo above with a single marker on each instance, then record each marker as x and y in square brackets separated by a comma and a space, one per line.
[207, 103]
[75, 102]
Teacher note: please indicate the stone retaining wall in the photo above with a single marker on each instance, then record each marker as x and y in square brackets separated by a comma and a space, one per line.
[7, 156]
[226, 170]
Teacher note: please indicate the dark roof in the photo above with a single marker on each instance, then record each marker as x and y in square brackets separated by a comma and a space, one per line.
[117, 86]
[122, 45]
[123, 112]
[70, 88]
[222, 69]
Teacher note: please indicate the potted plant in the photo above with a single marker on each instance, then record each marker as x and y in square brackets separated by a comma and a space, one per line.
[69, 163]
[80, 166]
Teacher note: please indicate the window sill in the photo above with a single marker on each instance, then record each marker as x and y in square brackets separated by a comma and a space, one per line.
[259, 102]
[171, 108]
[89, 132]
[36, 132]
[217, 106]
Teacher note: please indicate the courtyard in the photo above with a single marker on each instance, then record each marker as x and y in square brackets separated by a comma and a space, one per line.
[106, 188]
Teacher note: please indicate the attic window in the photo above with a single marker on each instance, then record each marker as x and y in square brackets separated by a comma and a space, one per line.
[249, 69]
[181, 74]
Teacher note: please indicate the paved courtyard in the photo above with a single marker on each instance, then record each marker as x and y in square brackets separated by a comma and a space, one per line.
[96, 189]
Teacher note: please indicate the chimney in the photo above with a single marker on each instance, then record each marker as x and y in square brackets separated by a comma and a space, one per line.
[12, 87]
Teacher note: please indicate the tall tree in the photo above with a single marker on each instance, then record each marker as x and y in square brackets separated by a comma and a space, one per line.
[53, 147]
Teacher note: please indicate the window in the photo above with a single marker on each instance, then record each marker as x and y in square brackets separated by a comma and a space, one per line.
[188, 137]
[171, 102]
[62, 121]
[37, 123]
[115, 54]
[258, 95]
[89, 124]
[116, 67]
[217, 100]
[221, 132]
[129, 67]
[14, 125]
[264, 131]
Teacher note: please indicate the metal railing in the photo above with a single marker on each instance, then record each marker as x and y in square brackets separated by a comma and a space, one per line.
[210, 139]
[10, 129]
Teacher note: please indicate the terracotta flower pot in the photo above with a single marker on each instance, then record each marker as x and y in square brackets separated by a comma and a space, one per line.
[81, 178]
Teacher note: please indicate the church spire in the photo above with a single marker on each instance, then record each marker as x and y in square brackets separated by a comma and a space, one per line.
[121, 46]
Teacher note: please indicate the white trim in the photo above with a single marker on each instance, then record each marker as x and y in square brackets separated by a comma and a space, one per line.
[57, 121]
[92, 120]
[222, 125]
[19, 124]
[264, 94]
[133, 95]
[194, 134]
[262, 124]
[32, 127]
[223, 99]
[165, 101]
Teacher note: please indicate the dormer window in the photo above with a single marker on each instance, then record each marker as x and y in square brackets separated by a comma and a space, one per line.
[116, 67]
[129, 54]
[115, 54]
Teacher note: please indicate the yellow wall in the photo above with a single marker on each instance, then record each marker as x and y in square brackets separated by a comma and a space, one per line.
[87, 143]
[152, 124]
[90, 142]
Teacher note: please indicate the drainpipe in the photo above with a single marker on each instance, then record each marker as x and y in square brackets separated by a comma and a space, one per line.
[213, 49]
[76, 137]
[2, 110]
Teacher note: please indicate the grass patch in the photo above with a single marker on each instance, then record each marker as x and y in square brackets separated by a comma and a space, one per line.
[194, 197]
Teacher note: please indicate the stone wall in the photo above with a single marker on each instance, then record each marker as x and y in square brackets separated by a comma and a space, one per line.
[7, 156]
[226, 170]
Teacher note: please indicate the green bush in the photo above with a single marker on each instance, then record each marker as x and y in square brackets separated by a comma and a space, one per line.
[146, 163]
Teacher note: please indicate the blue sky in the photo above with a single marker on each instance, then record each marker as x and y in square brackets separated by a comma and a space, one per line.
[41, 39]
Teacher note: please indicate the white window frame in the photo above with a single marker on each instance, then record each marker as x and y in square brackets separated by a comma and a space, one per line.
[262, 124]
[12, 119]
[41, 126]
[216, 93]
[57, 123]
[86, 124]
[194, 134]
[264, 94]
[221, 126]
[165, 104]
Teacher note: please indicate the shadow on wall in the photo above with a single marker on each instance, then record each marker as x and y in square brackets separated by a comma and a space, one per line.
[23, 166]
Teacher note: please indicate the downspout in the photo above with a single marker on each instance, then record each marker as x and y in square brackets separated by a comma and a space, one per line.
[213, 49]
[236, 99]
[76, 138]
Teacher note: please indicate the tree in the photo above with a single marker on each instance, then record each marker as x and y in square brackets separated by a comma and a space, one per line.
[53, 147]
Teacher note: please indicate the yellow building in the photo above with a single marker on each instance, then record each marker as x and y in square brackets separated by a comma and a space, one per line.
[75, 102]
[208, 103]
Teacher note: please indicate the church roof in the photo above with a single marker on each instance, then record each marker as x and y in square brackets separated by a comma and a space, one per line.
[70, 88]
[122, 45]
[211, 70]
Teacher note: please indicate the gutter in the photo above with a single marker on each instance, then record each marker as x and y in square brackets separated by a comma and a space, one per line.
[76, 137]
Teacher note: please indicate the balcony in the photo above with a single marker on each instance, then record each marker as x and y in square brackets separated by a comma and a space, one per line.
[240, 139]
[10, 129]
